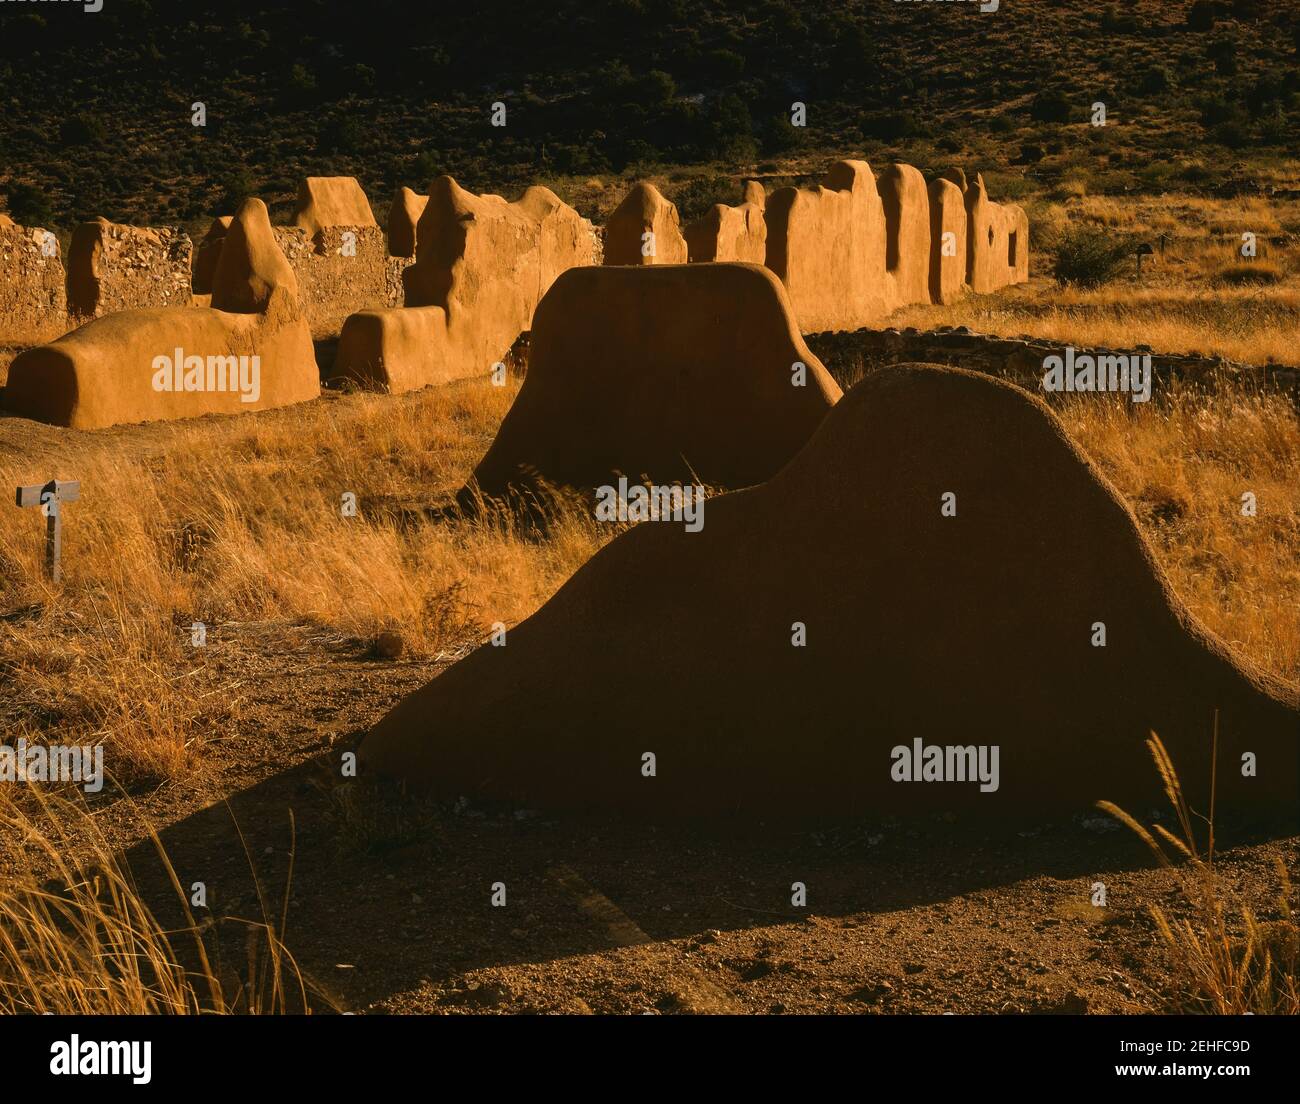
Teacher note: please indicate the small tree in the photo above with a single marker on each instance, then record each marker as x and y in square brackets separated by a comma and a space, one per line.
[1200, 16]
[1051, 106]
[30, 205]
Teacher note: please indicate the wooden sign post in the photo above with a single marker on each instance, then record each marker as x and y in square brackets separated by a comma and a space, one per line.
[50, 498]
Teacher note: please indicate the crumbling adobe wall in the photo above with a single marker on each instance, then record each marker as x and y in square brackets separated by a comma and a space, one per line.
[924, 499]
[731, 233]
[331, 201]
[1016, 224]
[947, 241]
[33, 297]
[987, 245]
[644, 210]
[106, 372]
[482, 265]
[827, 246]
[206, 255]
[112, 267]
[1020, 359]
[403, 218]
[906, 203]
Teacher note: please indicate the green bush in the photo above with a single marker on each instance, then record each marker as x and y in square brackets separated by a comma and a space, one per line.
[1051, 107]
[1232, 134]
[697, 195]
[1113, 22]
[1087, 256]
[30, 205]
[1217, 110]
[1155, 81]
[890, 126]
[81, 130]
[238, 186]
[1200, 16]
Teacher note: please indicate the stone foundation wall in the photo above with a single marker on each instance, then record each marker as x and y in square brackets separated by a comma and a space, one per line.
[112, 268]
[332, 283]
[849, 356]
[33, 298]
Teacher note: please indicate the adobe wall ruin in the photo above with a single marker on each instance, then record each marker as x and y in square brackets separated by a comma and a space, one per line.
[331, 201]
[854, 249]
[644, 229]
[827, 246]
[711, 378]
[33, 294]
[853, 540]
[403, 217]
[341, 267]
[107, 371]
[989, 241]
[847, 252]
[206, 255]
[482, 265]
[341, 270]
[731, 233]
[948, 241]
[906, 203]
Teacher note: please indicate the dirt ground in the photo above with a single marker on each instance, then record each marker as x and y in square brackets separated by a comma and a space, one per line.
[390, 908]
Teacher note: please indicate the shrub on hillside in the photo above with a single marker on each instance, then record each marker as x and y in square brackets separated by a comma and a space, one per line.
[1155, 81]
[1234, 134]
[29, 205]
[1051, 107]
[82, 130]
[1245, 273]
[1200, 16]
[697, 195]
[1087, 256]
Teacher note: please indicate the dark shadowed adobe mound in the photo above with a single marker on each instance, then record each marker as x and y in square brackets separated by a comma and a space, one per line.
[674, 372]
[973, 629]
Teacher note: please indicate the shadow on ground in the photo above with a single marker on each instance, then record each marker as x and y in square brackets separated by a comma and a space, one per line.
[390, 893]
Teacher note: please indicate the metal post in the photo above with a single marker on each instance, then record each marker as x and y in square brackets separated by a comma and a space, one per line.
[50, 498]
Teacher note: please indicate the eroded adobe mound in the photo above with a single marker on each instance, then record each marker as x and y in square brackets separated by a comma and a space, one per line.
[966, 630]
[325, 201]
[644, 229]
[731, 233]
[671, 372]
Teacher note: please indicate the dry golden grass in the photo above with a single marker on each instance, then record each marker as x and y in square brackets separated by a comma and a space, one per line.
[83, 941]
[1249, 324]
[1184, 467]
[1198, 295]
[240, 520]
[1222, 967]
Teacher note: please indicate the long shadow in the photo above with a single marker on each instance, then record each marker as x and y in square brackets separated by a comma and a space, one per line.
[389, 892]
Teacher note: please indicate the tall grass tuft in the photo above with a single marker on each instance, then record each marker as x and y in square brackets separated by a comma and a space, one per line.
[83, 940]
[1217, 971]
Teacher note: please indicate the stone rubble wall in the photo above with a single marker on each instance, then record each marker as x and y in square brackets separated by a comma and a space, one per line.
[334, 283]
[850, 355]
[33, 297]
[112, 267]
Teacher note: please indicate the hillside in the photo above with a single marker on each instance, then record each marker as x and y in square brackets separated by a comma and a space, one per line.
[97, 112]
